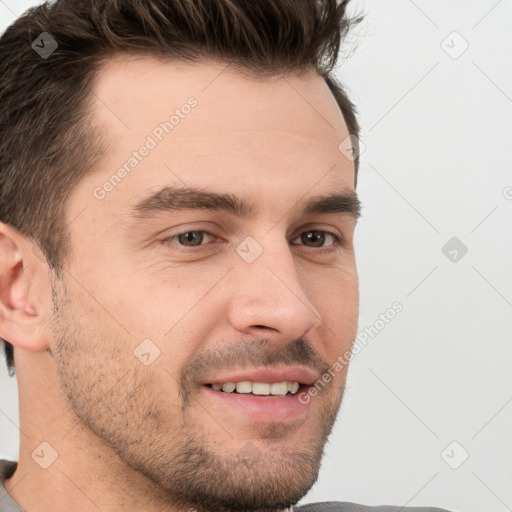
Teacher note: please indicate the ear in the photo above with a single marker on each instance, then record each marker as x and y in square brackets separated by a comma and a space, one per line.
[24, 292]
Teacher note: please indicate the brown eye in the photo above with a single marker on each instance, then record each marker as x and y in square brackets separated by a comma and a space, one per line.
[316, 238]
[189, 238]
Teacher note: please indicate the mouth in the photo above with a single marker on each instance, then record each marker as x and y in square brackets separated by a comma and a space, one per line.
[264, 395]
[261, 389]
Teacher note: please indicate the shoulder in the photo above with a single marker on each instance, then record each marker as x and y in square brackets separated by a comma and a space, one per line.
[7, 468]
[337, 506]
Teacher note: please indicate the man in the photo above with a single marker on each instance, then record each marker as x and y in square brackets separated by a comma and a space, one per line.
[177, 268]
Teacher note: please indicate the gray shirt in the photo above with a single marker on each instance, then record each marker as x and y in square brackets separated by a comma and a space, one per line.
[7, 504]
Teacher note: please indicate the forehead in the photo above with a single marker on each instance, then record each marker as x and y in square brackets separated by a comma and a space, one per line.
[131, 89]
[208, 125]
[133, 95]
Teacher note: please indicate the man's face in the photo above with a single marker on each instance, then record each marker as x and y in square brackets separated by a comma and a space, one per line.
[164, 302]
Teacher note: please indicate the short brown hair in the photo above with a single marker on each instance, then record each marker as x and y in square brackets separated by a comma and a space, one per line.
[47, 141]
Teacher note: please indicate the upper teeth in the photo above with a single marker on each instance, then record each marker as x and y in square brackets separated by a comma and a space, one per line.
[258, 388]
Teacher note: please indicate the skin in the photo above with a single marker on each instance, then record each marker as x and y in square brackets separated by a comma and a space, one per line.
[130, 436]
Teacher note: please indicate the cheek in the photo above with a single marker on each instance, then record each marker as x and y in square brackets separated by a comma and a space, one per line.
[166, 305]
[105, 383]
[337, 301]
[334, 292]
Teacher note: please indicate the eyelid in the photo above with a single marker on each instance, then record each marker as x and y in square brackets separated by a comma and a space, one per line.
[322, 227]
[200, 226]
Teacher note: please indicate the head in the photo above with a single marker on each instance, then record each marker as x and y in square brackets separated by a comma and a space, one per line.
[175, 214]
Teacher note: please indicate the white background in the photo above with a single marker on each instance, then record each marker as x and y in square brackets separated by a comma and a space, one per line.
[437, 165]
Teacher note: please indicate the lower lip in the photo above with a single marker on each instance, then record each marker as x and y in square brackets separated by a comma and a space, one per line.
[267, 409]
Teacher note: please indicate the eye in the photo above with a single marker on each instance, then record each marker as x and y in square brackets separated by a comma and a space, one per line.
[317, 238]
[312, 238]
[189, 238]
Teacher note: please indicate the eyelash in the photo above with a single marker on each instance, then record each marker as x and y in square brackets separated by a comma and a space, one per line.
[336, 242]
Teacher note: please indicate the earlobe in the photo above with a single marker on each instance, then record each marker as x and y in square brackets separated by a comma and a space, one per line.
[22, 312]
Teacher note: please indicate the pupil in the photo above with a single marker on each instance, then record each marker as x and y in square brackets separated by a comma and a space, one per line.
[194, 237]
[315, 237]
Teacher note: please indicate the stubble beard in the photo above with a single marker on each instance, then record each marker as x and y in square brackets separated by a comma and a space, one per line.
[182, 465]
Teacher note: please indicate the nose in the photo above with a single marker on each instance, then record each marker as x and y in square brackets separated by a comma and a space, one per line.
[268, 294]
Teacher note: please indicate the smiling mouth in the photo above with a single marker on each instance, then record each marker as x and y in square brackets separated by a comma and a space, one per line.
[273, 401]
[284, 388]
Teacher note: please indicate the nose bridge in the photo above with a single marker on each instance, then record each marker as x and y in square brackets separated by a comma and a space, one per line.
[268, 291]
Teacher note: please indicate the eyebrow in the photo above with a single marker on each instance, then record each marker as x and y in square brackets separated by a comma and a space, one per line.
[170, 199]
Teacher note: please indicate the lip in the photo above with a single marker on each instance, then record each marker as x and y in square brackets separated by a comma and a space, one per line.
[259, 409]
[267, 375]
